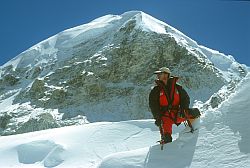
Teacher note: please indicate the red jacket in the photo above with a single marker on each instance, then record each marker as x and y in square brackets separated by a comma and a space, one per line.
[177, 96]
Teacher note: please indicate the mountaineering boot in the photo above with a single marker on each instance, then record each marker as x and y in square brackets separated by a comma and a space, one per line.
[167, 138]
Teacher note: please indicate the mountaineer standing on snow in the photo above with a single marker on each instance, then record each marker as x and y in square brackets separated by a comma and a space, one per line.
[169, 103]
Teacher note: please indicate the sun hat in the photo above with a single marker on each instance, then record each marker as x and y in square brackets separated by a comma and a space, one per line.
[163, 70]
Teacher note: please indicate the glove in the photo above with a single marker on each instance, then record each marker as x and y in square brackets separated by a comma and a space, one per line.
[158, 122]
[181, 113]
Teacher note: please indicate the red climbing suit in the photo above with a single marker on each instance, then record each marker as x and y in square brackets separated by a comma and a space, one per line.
[170, 117]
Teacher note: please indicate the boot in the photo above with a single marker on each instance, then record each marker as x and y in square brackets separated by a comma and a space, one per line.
[167, 138]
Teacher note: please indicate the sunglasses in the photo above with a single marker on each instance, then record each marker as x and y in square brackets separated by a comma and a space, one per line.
[162, 73]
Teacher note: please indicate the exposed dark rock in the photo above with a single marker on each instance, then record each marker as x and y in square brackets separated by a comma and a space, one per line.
[4, 120]
[41, 122]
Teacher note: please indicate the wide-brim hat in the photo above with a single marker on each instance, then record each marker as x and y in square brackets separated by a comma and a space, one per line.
[163, 70]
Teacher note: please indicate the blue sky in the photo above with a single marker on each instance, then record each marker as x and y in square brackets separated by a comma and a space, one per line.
[220, 25]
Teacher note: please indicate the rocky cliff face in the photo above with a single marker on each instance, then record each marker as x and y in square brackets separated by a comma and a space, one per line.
[103, 71]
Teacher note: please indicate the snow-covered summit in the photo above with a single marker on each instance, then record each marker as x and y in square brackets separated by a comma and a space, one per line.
[109, 23]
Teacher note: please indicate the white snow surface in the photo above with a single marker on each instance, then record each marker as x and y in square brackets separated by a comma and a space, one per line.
[222, 140]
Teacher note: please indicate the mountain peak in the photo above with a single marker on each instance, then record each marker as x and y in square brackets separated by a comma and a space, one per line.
[131, 13]
[145, 21]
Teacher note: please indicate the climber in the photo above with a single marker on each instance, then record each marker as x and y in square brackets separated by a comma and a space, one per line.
[169, 103]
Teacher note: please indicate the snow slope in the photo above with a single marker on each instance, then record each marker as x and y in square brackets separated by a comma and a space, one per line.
[223, 140]
[75, 146]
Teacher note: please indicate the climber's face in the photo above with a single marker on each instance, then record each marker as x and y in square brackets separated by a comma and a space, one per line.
[163, 77]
